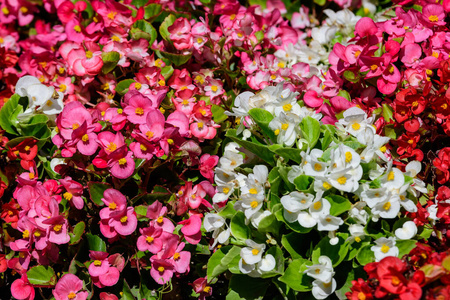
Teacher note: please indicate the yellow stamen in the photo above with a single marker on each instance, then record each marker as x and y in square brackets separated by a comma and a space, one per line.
[97, 262]
[253, 191]
[123, 219]
[391, 176]
[342, 180]
[287, 107]
[149, 239]
[348, 156]
[111, 147]
[255, 251]
[385, 248]
[112, 206]
[68, 196]
[139, 111]
[122, 161]
[26, 234]
[433, 18]
[77, 28]
[317, 205]
[254, 204]
[57, 228]
[356, 126]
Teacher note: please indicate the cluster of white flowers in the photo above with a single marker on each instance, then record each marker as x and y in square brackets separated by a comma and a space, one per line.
[252, 261]
[282, 104]
[324, 283]
[41, 98]
[317, 51]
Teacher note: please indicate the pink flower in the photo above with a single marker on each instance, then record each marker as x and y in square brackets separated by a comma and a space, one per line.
[21, 288]
[201, 286]
[191, 229]
[100, 264]
[365, 27]
[180, 34]
[138, 107]
[116, 204]
[433, 14]
[149, 240]
[124, 224]
[74, 191]
[69, 287]
[181, 259]
[121, 163]
[207, 164]
[162, 270]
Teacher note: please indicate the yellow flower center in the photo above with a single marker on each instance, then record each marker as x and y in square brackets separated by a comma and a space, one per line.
[317, 167]
[273, 77]
[160, 269]
[348, 156]
[26, 234]
[75, 126]
[387, 205]
[62, 88]
[138, 85]
[149, 134]
[225, 190]
[170, 141]
[68, 196]
[357, 53]
[122, 161]
[72, 295]
[123, 219]
[433, 18]
[373, 67]
[356, 126]
[357, 239]
[287, 107]
[37, 233]
[160, 219]
[277, 132]
[77, 28]
[200, 125]
[57, 228]
[111, 147]
[255, 251]
[254, 204]
[199, 40]
[161, 82]
[214, 88]
[253, 191]
[149, 239]
[139, 111]
[285, 126]
[89, 54]
[342, 180]
[207, 289]
[326, 185]
[395, 280]
[112, 206]
[142, 147]
[112, 15]
[97, 262]
[31, 175]
[317, 205]
[5, 10]
[391, 176]
[176, 256]
[385, 248]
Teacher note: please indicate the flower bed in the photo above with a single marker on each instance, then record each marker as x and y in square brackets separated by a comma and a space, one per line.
[224, 149]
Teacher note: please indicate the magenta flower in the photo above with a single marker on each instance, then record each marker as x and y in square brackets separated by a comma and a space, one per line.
[207, 164]
[149, 240]
[74, 191]
[433, 14]
[115, 203]
[191, 229]
[124, 224]
[156, 212]
[162, 270]
[121, 165]
[69, 287]
[138, 107]
[181, 259]
[21, 288]
[100, 264]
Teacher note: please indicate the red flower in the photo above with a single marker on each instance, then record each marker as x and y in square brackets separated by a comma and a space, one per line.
[10, 213]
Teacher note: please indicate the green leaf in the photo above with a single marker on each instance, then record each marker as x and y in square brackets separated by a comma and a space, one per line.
[238, 228]
[139, 3]
[339, 204]
[320, 2]
[310, 128]
[405, 246]
[177, 59]
[167, 71]
[336, 252]
[219, 261]
[96, 190]
[36, 127]
[228, 211]
[365, 255]
[262, 117]
[218, 114]
[126, 292]
[345, 94]
[388, 113]
[294, 276]
[152, 10]
[110, 60]
[295, 244]
[95, 243]
[42, 276]
[245, 287]
[303, 182]
[163, 29]
[260, 150]
[77, 232]
[329, 132]
[8, 114]
[122, 86]
[288, 153]
[269, 224]
[143, 30]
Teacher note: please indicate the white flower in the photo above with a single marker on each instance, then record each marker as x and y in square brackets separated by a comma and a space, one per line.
[407, 231]
[387, 209]
[23, 83]
[384, 247]
[251, 204]
[294, 203]
[322, 290]
[393, 179]
[246, 268]
[329, 223]
[313, 166]
[267, 264]
[355, 121]
[212, 221]
[253, 253]
[258, 216]
[323, 271]
[285, 128]
[356, 232]
[346, 180]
